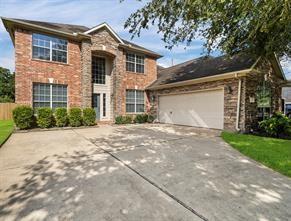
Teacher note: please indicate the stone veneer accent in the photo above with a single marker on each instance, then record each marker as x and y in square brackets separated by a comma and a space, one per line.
[103, 43]
[29, 70]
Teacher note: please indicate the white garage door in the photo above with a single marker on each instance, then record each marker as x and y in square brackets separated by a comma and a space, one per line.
[200, 109]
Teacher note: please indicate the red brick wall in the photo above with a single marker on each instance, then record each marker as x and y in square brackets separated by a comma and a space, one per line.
[29, 71]
[138, 81]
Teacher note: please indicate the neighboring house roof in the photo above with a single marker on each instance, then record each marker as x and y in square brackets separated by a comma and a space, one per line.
[203, 67]
[73, 31]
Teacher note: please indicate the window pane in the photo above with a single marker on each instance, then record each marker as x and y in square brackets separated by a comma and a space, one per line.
[130, 57]
[60, 56]
[130, 67]
[98, 70]
[139, 59]
[139, 108]
[130, 108]
[41, 95]
[41, 53]
[140, 68]
[59, 44]
[104, 105]
[59, 93]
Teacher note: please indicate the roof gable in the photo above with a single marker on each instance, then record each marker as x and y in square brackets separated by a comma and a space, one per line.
[109, 29]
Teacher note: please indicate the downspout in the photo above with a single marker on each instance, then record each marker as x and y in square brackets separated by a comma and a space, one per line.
[238, 104]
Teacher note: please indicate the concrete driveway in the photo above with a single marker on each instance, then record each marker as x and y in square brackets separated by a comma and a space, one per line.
[144, 172]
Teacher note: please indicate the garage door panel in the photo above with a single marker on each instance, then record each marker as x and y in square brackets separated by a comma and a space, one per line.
[201, 109]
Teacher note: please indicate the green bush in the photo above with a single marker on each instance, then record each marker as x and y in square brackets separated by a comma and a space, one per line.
[276, 125]
[150, 119]
[23, 117]
[89, 116]
[61, 117]
[127, 119]
[45, 118]
[119, 120]
[75, 117]
[123, 119]
[141, 118]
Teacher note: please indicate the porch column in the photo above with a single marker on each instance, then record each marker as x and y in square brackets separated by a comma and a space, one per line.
[86, 83]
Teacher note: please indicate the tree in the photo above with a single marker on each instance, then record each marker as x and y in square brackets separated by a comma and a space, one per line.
[260, 27]
[6, 85]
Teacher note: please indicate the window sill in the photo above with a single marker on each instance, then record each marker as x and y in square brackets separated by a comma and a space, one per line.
[134, 113]
[50, 62]
[138, 73]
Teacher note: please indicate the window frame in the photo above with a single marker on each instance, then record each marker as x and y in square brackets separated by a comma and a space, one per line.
[135, 62]
[51, 49]
[95, 56]
[135, 101]
[51, 102]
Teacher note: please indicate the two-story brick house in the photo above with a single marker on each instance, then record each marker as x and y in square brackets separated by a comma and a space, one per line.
[61, 65]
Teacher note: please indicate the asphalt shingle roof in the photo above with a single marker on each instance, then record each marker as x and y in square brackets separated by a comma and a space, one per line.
[203, 67]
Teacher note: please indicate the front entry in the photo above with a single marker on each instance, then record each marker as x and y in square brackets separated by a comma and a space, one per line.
[96, 105]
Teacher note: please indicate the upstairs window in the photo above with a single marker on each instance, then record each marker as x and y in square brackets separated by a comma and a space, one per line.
[134, 62]
[49, 48]
[98, 70]
[134, 101]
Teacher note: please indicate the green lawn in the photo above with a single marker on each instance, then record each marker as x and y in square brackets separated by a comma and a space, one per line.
[6, 128]
[272, 152]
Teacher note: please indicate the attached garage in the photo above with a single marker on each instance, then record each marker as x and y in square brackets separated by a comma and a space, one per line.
[199, 109]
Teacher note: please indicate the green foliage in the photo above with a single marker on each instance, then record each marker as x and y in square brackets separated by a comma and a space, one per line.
[150, 119]
[119, 120]
[272, 152]
[6, 85]
[141, 118]
[45, 118]
[75, 117]
[23, 117]
[230, 26]
[6, 99]
[276, 125]
[127, 119]
[61, 117]
[6, 128]
[89, 116]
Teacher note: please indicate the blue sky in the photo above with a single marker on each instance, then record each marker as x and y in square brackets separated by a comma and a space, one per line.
[91, 13]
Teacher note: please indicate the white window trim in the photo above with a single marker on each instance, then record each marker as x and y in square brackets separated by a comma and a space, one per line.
[51, 95]
[135, 62]
[51, 50]
[135, 103]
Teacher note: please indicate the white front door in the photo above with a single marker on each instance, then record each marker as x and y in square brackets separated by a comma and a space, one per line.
[199, 109]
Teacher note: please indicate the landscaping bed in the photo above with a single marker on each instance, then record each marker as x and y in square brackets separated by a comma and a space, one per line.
[272, 152]
[6, 128]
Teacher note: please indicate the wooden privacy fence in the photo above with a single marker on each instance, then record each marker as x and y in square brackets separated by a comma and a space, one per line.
[6, 110]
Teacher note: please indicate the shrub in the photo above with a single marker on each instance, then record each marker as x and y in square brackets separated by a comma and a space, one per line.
[45, 118]
[23, 117]
[127, 119]
[75, 117]
[61, 117]
[123, 119]
[276, 125]
[118, 120]
[141, 118]
[89, 116]
[150, 119]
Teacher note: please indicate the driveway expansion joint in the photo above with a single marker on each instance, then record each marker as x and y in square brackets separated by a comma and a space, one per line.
[189, 208]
